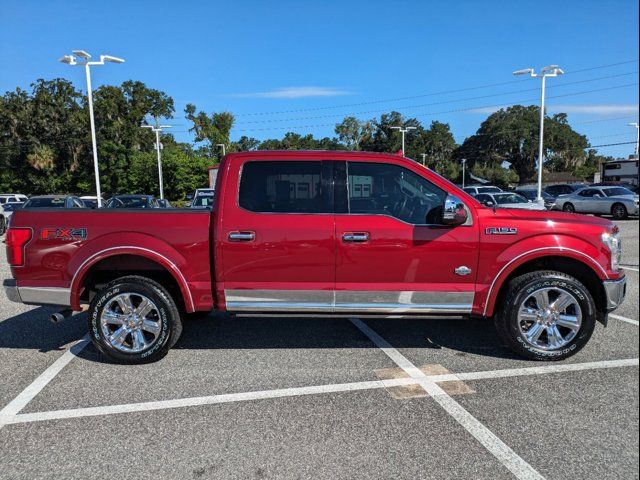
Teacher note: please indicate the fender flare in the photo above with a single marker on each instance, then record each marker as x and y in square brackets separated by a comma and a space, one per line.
[81, 272]
[507, 269]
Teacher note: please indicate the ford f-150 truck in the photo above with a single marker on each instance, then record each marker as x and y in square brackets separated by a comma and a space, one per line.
[321, 233]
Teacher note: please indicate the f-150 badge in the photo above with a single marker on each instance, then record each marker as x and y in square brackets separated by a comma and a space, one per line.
[501, 231]
[67, 234]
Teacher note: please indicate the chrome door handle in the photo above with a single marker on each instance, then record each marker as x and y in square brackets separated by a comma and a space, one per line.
[244, 236]
[355, 237]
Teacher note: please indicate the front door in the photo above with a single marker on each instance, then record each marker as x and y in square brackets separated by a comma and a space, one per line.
[278, 236]
[393, 253]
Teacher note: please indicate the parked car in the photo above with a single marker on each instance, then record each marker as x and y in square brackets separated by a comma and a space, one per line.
[325, 233]
[132, 201]
[164, 203]
[628, 186]
[531, 194]
[53, 201]
[12, 197]
[90, 201]
[507, 200]
[7, 210]
[3, 221]
[563, 189]
[203, 198]
[616, 201]
[475, 190]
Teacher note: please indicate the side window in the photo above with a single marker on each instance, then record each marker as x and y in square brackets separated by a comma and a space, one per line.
[282, 187]
[383, 189]
[588, 193]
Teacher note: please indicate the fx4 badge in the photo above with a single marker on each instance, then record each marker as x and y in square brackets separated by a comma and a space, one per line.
[501, 231]
[67, 234]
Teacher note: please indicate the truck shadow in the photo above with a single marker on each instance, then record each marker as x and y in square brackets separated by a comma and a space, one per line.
[33, 330]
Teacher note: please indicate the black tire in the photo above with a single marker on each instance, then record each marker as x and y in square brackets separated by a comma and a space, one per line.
[168, 317]
[619, 211]
[569, 208]
[3, 226]
[506, 319]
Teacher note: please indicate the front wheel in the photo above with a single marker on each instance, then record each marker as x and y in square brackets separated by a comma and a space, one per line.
[619, 211]
[134, 320]
[546, 316]
[569, 208]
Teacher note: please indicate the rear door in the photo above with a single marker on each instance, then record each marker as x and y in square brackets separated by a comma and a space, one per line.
[278, 236]
[393, 253]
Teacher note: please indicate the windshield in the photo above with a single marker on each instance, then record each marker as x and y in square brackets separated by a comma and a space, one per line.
[55, 202]
[509, 198]
[489, 190]
[203, 200]
[9, 207]
[89, 202]
[128, 202]
[617, 192]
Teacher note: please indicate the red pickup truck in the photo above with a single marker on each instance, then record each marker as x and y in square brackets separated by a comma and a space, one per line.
[321, 233]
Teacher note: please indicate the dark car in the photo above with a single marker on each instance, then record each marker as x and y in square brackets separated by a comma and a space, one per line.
[132, 201]
[164, 203]
[628, 186]
[563, 189]
[531, 194]
[54, 201]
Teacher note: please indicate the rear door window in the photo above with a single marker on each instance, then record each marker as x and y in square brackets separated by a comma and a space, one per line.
[283, 187]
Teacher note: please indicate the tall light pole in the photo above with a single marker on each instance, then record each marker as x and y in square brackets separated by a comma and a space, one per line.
[403, 130]
[637, 136]
[224, 148]
[464, 167]
[83, 60]
[424, 156]
[157, 129]
[550, 71]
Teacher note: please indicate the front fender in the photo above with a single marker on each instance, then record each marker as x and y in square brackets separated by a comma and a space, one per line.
[533, 248]
[130, 243]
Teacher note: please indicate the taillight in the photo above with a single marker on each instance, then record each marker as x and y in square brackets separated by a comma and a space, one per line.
[16, 239]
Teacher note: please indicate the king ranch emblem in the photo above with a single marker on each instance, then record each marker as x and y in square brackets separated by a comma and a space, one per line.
[501, 231]
[65, 234]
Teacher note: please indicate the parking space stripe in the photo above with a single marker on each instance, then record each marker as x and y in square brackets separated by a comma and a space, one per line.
[510, 459]
[17, 404]
[209, 400]
[633, 269]
[624, 319]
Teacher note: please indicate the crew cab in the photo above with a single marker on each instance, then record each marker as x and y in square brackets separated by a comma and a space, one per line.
[321, 233]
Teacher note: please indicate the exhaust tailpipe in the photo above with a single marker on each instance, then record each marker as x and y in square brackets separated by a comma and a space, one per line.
[60, 316]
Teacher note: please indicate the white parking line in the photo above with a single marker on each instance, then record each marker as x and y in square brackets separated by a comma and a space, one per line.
[624, 319]
[17, 404]
[634, 269]
[312, 390]
[510, 459]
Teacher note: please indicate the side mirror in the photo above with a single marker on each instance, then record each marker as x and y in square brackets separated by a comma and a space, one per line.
[454, 213]
[488, 203]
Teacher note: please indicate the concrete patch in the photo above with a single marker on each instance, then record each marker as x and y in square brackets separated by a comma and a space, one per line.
[454, 387]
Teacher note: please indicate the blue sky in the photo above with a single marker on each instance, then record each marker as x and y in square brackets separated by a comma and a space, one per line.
[302, 66]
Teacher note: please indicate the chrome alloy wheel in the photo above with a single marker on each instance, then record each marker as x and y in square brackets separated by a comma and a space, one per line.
[549, 318]
[130, 322]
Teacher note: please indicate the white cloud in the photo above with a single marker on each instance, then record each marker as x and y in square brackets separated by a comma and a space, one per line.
[297, 92]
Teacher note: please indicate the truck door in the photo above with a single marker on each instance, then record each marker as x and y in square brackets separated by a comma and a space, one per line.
[393, 253]
[278, 236]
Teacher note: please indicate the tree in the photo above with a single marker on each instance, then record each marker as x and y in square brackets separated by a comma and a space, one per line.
[438, 144]
[512, 135]
[214, 129]
[353, 132]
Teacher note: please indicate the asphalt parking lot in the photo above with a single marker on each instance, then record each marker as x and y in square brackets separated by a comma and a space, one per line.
[266, 398]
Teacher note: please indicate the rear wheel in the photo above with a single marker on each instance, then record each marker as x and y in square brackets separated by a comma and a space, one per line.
[619, 211]
[546, 316]
[569, 208]
[134, 320]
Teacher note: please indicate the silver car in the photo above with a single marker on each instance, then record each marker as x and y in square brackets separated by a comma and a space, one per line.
[507, 200]
[616, 201]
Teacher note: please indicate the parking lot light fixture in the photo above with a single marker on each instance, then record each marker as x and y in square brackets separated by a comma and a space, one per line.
[82, 58]
[464, 167]
[548, 71]
[157, 129]
[223, 147]
[403, 131]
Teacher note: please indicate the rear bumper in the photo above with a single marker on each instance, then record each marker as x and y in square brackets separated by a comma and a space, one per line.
[36, 295]
[615, 291]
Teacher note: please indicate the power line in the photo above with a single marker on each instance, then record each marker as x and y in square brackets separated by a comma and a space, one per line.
[610, 145]
[444, 92]
[409, 107]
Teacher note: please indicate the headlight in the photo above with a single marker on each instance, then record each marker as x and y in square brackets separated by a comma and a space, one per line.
[614, 244]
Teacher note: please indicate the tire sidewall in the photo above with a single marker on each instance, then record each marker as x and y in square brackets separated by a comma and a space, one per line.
[586, 305]
[569, 208]
[100, 301]
[624, 211]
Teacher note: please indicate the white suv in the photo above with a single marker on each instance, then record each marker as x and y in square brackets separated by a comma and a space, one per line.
[12, 197]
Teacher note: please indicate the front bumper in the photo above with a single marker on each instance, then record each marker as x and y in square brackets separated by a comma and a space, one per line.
[615, 291]
[36, 295]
